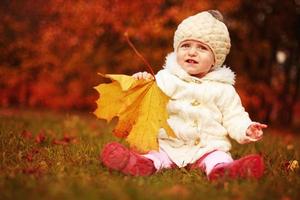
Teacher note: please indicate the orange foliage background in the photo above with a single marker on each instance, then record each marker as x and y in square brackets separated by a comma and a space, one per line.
[52, 50]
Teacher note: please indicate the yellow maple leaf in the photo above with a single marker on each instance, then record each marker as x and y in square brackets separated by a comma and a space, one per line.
[140, 106]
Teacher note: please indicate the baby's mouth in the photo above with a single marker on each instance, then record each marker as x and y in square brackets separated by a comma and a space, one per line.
[191, 61]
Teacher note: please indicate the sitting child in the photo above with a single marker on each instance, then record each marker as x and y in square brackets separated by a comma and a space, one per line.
[204, 109]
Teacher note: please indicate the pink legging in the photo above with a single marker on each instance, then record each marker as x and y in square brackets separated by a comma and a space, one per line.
[161, 160]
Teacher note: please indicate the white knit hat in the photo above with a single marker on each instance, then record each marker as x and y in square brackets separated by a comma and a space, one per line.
[205, 28]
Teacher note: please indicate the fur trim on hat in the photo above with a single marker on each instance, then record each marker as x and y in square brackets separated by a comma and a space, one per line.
[220, 74]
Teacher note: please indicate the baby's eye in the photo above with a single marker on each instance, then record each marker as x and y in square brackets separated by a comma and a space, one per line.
[201, 47]
[185, 45]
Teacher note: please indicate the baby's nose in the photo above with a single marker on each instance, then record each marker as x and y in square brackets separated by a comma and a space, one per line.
[192, 51]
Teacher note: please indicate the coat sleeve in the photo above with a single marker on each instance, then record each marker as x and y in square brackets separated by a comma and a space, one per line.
[235, 119]
[166, 82]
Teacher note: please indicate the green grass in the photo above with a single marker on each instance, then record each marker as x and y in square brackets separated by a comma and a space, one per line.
[32, 170]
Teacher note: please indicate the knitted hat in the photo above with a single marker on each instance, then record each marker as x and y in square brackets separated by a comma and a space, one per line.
[205, 28]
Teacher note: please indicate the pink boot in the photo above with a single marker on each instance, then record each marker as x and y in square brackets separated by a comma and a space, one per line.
[251, 166]
[117, 157]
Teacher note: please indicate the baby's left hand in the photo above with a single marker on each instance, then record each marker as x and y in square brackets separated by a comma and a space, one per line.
[254, 131]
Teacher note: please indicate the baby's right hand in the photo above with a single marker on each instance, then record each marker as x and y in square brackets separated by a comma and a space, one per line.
[143, 75]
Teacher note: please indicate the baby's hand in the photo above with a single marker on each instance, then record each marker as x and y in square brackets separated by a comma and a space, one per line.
[254, 131]
[143, 75]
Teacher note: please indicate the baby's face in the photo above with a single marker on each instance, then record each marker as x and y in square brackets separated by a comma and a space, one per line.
[195, 57]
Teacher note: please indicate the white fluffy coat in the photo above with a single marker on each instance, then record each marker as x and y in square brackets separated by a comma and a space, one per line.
[202, 112]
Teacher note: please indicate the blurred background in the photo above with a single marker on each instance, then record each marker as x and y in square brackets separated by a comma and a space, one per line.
[51, 51]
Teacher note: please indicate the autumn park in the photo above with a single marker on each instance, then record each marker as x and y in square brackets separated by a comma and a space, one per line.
[66, 90]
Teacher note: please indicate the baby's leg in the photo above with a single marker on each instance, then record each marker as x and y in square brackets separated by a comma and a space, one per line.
[215, 158]
[160, 159]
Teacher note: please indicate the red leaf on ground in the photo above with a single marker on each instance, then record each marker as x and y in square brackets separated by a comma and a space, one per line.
[67, 139]
[70, 139]
[41, 137]
[26, 134]
[35, 150]
[30, 155]
[59, 142]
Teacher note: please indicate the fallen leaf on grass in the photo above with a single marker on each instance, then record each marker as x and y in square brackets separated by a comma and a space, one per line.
[67, 139]
[26, 134]
[70, 139]
[59, 142]
[40, 138]
[293, 165]
[30, 155]
[140, 106]
[290, 166]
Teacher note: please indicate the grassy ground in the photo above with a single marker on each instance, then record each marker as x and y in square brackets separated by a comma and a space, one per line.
[47, 155]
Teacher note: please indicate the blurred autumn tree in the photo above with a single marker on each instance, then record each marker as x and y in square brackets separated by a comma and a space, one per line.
[266, 39]
[51, 51]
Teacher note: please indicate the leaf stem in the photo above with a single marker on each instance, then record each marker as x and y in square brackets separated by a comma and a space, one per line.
[139, 55]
